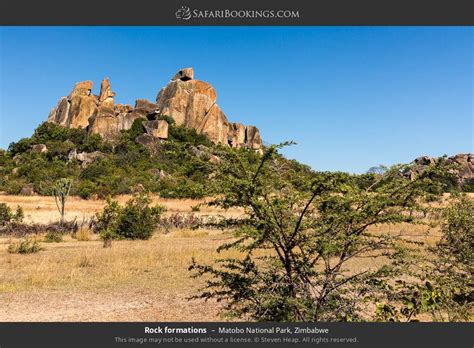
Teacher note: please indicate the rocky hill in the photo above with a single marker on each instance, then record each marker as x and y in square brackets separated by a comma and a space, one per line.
[190, 103]
[463, 168]
[174, 147]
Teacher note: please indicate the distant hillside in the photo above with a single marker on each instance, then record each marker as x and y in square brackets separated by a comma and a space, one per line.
[173, 147]
[182, 166]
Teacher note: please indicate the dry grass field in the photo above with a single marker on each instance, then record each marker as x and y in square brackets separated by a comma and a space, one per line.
[131, 281]
[41, 209]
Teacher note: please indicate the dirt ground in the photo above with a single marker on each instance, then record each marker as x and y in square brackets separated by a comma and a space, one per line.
[132, 281]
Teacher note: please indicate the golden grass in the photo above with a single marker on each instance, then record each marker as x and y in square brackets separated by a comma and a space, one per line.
[150, 274]
[42, 209]
[131, 281]
[79, 280]
[84, 234]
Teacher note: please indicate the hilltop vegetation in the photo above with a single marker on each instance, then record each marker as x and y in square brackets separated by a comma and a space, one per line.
[184, 166]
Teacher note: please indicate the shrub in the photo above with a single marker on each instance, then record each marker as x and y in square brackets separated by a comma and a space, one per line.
[53, 237]
[24, 246]
[136, 220]
[452, 270]
[188, 135]
[458, 230]
[86, 189]
[135, 130]
[20, 146]
[8, 218]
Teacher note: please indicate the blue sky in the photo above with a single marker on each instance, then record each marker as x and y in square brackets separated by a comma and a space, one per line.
[351, 97]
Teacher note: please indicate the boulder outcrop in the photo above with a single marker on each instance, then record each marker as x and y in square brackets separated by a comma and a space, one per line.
[39, 148]
[85, 158]
[463, 163]
[106, 96]
[190, 103]
[157, 128]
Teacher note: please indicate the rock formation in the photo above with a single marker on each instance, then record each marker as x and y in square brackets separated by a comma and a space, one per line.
[192, 103]
[39, 148]
[189, 102]
[157, 128]
[463, 162]
[106, 96]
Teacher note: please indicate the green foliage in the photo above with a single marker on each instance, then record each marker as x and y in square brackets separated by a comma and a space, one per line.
[301, 232]
[20, 146]
[136, 220]
[9, 221]
[168, 119]
[24, 246]
[468, 186]
[53, 237]
[61, 190]
[7, 217]
[134, 131]
[124, 165]
[458, 230]
[445, 290]
[453, 267]
[86, 189]
[187, 135]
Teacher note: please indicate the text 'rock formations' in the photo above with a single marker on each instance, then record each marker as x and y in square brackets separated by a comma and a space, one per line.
[190, 103]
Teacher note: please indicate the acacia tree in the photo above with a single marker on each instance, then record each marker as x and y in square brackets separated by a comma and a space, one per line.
[301, 233]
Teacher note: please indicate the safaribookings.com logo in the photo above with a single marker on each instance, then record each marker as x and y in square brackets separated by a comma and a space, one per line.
[185, 13]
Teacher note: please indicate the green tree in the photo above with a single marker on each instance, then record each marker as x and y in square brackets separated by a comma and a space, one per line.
[453, 266]
[300, 235]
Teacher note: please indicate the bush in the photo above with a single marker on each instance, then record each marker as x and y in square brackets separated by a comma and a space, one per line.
[7, 217]
[188, 135]
[86, 189]
[452, 270]
[53, 237]
[136, 220]
[458, 230]
[20, 146]
[24, 246]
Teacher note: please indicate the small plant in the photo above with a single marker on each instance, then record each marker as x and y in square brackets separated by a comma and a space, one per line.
[24, 246]
[85, 262]
[61, 192]
[53, 237]
[136, 220]
[196, 208]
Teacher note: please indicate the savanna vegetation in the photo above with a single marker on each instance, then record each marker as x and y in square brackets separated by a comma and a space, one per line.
[170, 168]
[301, 233]
[287, 256]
